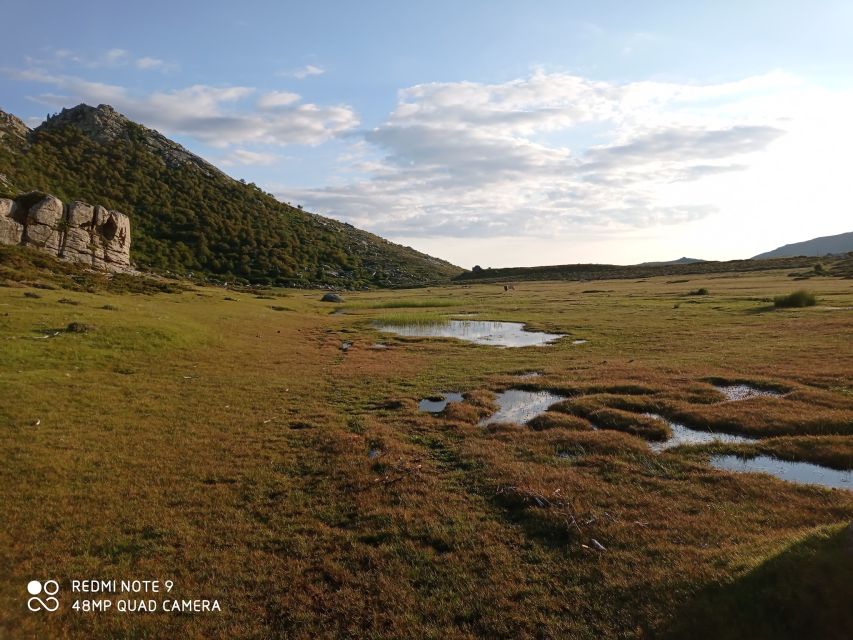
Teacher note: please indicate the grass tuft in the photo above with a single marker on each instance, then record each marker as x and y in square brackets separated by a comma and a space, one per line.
[801, 298]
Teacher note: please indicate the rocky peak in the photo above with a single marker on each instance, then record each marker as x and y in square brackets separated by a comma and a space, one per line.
[12, 126]
[104, 125]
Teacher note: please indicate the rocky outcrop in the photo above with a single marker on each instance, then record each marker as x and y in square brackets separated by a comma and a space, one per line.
[12, 127]
[11, 230]
[105, 125]
[78, 232]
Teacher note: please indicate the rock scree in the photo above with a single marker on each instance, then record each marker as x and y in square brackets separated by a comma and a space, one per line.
[77, 232]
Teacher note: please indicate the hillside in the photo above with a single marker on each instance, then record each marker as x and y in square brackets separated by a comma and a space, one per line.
[840, 267]
[826, 245]
[189, 217]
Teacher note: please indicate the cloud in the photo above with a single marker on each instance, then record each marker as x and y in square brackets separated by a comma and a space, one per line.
[304, 72]
[115, 56]
[246, 157]
[214, 115]
[153, 64]
[676, 144]
[275, 99]
[107, 59]
[544, 155]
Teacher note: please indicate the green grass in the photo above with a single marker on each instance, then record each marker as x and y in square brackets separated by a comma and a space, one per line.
[403, 304]
[224, 445]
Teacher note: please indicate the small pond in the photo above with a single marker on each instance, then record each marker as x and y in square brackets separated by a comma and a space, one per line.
[521, 406]
[500, 334]
[437, 406]
[734, 392]
[685, 435]
[799, 472]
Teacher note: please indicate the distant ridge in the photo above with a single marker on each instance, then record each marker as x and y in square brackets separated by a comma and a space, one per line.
[826, 245]
[612, 271]
[679, 261]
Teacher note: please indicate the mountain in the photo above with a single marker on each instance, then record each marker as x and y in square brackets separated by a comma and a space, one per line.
[190, 217]
[679, 261]
[842, 243]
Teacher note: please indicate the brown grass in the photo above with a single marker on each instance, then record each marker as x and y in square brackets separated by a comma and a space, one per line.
[225, 446]
[639, 425]
[554, 420]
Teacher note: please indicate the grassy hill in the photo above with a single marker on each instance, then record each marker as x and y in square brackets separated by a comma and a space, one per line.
[189, 217]
[840, 266]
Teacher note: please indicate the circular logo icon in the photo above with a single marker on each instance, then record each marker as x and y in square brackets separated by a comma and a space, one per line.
[49, 588]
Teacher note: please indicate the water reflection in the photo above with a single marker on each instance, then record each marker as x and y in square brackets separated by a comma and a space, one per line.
[501, 334]
[799, 472]
[521, 406]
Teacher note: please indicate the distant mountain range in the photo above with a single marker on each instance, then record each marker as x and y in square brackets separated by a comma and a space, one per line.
[187, 216]
[827, 245]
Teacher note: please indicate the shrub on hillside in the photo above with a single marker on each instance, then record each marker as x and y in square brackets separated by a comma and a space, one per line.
[801, 298]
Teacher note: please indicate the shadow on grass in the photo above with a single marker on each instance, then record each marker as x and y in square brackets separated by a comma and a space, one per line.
[804, 592]
[765, 308]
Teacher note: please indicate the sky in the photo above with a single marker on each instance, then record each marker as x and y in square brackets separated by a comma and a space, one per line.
[484, 132]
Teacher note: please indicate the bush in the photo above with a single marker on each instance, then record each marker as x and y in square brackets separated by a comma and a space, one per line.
[801, 298]
[699, 292]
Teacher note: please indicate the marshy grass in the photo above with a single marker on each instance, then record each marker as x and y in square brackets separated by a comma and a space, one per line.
[834, 452]
[644, 426]
[406, 319]
[414, 303]
[225, 446]
[555, 420]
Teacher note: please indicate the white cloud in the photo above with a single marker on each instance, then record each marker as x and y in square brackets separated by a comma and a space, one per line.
[246, 157]
[147, 63]
[546, 155]
[111, 58]
[304, 72]
[275, 99]
[115, 56]
[214, 115]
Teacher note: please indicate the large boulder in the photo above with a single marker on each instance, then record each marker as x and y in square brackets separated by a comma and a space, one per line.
[80, 214]
[77, 244]
[331, 297]
[111, 239]
[43, 228]
[79, 232]
[11, 231]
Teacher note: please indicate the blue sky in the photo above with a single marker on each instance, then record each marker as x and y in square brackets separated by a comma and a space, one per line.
[491, 132]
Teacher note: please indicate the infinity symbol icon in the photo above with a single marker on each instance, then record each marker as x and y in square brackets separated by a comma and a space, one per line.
[50, 588]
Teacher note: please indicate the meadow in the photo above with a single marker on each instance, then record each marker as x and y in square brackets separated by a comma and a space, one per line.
[224, 440]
